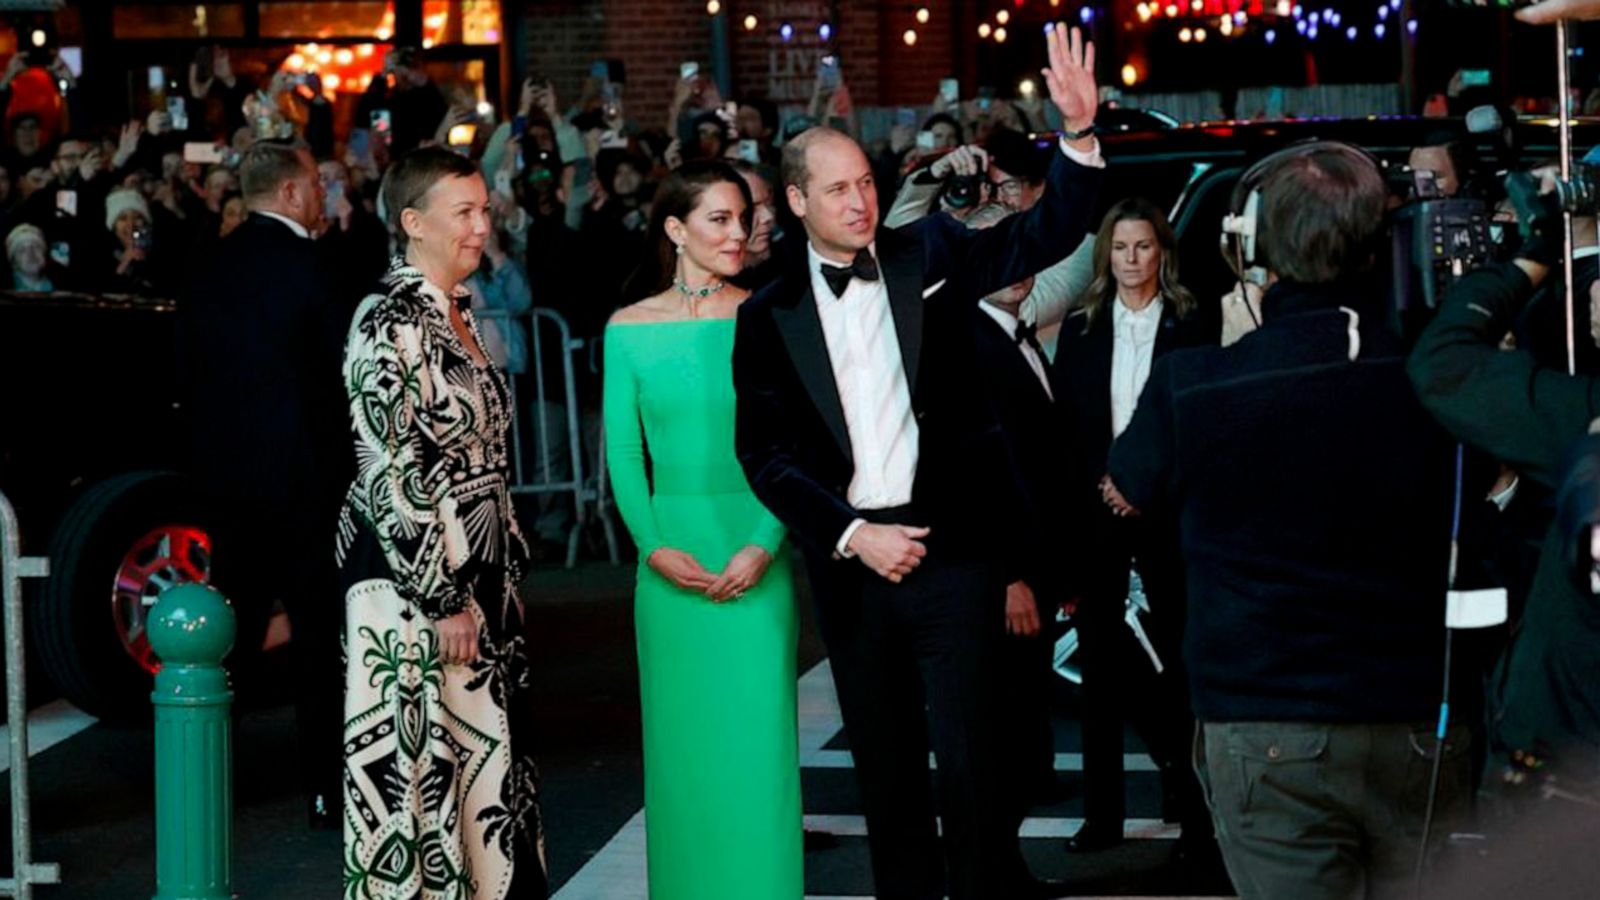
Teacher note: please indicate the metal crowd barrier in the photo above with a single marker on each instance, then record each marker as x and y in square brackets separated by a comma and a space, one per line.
[588, 493]
[25, 873]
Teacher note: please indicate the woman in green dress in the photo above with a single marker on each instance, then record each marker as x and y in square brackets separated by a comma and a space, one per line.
[714, 608]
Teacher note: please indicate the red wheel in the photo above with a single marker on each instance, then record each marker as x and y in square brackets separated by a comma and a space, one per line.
[165, 557]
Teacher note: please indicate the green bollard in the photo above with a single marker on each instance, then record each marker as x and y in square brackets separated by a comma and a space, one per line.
[191, 629]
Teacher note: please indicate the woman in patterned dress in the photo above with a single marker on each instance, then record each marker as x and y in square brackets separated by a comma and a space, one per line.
[441, 793]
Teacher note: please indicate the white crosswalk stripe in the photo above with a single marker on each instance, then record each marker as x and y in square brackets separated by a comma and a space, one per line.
[618, 871]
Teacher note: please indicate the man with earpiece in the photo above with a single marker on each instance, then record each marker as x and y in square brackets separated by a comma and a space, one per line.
[1313, 495]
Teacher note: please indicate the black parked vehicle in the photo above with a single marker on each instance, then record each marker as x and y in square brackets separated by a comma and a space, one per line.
[90, 456]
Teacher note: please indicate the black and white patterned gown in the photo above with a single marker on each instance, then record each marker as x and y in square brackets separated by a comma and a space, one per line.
[441, 792]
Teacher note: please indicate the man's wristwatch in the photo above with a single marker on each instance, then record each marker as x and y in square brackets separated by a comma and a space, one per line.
[1077, 135]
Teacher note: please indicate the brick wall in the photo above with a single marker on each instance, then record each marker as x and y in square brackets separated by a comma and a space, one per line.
[653, 36]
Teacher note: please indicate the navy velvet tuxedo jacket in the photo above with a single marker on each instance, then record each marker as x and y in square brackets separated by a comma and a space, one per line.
[791, 434]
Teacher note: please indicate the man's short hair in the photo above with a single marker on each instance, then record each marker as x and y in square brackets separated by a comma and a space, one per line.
[796, 170]
[267, 165]
[409, 180]
[1320, 214]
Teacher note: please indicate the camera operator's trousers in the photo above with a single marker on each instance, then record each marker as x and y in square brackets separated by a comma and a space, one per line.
[1327, 811]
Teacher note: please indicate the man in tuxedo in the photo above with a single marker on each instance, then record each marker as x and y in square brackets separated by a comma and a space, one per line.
[860, 427]
[1021, 387]
[261, 341]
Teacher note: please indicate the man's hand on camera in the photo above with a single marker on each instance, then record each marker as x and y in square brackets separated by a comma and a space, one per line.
[892, 551]
[1556, 10]
[968, 160]
[1539, 220]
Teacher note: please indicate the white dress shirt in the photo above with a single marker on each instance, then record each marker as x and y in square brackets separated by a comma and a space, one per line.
[1009, 323]
[298, 229]
[864, 350]
[1132, 350]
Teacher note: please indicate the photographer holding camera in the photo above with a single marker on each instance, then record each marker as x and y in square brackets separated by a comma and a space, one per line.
[1006, 169]
[1313, 496]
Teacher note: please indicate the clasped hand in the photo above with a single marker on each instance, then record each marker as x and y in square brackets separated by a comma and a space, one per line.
[892, 551]
[684, 571]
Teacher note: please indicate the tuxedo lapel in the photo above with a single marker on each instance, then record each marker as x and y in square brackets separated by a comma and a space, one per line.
[902, 272]
[801, 329]
[1016, 364]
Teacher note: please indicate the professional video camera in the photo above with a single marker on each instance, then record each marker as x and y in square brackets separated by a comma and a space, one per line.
[1437, 239]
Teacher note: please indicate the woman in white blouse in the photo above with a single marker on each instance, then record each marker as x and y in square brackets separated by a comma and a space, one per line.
[1133, 311]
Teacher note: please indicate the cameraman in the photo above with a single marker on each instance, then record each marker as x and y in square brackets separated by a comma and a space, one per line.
[1007, 169]
[1545, 698]
[1313, 496]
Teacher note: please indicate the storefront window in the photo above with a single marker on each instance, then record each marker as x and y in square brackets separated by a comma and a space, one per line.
[338, 69]
[475, 22]
[346, 19]
[204, 20]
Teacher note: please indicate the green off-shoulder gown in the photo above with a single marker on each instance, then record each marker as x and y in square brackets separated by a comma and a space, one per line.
[717, 681]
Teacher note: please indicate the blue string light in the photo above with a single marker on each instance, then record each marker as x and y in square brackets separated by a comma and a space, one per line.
[1300, 26]
[1271, 36]
[786, 31]
[1086, 15]
[825, 32]
[1411, 27]
[1350, 32]
[1378, 30]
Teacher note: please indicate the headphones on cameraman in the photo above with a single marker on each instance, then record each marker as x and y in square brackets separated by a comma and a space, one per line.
[1240, 227]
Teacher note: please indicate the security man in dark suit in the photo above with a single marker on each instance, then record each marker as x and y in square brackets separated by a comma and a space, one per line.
[1021, 387]
[269, 436]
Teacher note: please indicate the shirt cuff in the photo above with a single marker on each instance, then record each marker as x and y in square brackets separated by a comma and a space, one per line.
[1092, 159]
[843, 547]
[1504, 498]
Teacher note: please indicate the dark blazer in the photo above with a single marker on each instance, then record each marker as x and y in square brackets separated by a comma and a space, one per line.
[791, 435]
[1095, 568]
[1083, 366]
[261, 346]
[1033, 437]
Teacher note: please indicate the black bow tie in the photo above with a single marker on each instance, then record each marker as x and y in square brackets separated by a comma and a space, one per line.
[1028, 332]
[838, 277]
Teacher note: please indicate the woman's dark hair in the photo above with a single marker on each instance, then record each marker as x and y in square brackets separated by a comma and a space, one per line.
[607, 161]
[1102, 291]
[710, 118]
[413, 175]
[678, 195]
[946, 119]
